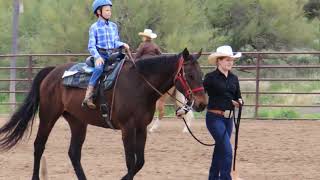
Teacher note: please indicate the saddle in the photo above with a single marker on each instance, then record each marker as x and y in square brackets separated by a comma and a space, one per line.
[78, 76]
[114, 57]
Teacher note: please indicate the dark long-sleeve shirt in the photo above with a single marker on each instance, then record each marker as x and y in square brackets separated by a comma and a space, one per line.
[147, 49]
[221, 90]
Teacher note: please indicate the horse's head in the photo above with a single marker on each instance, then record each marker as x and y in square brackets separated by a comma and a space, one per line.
[189, 80]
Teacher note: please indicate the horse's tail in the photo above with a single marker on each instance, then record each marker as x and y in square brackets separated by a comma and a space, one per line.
[12, 132]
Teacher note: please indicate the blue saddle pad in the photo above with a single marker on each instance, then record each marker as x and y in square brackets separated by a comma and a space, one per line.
[78, 75]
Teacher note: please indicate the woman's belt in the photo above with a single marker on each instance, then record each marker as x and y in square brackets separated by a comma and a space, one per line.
[226, 113]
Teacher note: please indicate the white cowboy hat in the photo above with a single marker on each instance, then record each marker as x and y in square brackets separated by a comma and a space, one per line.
[148, 33]
[223, 51]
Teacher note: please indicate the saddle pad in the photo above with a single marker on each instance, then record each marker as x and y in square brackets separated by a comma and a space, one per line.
[78, 75]
[111, 77]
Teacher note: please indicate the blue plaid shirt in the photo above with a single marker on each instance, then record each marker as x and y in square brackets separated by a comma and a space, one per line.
[103, 35]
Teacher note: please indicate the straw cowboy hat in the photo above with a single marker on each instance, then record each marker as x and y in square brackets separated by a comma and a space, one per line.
[223, 51]
[148, 33]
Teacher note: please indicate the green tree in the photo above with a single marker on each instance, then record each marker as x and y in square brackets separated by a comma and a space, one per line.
[62, 25]
[55, 26]
[312, 9]
[5, 26]
[260, 24]
[178, 23]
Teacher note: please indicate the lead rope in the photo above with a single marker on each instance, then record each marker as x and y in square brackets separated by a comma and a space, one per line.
[205, 144]
[236, 138]
[237, 126]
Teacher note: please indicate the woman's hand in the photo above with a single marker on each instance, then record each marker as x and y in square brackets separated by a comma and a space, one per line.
[240, 101]
[237, 103]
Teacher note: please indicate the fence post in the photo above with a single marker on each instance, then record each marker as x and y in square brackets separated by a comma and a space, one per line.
[30, 70]
[257, 86]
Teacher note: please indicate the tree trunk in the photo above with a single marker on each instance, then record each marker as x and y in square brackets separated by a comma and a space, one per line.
[15, 29]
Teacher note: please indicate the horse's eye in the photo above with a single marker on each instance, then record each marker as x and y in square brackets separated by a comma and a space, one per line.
[190, 76]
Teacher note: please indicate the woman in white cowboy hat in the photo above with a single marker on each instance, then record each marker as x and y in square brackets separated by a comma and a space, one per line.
[224, 94]
[147, 48]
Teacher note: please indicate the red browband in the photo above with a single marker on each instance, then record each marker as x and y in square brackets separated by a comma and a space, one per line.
[185, 86]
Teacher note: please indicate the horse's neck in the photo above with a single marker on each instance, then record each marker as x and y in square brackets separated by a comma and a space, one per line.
[159, 72]
[164, 81]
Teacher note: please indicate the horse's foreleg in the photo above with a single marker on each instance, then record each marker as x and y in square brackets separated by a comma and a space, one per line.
[141, 137]
[129, 138]
[160, 109]
[45, 127]
[189, 117]
[78, 135]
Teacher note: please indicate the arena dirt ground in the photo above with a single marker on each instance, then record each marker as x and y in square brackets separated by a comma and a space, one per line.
[268, 150]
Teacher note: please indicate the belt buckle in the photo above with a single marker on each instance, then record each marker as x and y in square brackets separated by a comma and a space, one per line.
[228, 113]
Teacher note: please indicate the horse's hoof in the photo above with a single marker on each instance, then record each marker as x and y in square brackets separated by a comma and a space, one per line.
[125, 177]
[35, 178]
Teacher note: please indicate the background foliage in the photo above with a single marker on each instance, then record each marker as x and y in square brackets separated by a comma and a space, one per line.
[62, 25]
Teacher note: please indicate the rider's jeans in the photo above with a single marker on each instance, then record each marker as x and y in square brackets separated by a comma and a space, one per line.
[98, 70]
[220, 129]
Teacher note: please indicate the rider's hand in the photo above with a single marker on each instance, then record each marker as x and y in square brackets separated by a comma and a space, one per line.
[99, 61]
[126, 46]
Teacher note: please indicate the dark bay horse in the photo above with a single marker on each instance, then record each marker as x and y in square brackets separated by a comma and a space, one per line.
[133, 106]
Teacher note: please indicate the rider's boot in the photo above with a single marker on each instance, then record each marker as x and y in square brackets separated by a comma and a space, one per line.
[88, 98]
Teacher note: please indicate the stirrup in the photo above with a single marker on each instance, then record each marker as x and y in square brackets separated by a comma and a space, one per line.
[85, 104]
[105, 111]
[105, 114]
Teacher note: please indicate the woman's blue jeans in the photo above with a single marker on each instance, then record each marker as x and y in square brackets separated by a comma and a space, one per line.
[98, 70]
[220, 128]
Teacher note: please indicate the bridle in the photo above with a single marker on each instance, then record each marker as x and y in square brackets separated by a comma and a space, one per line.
[180, 77]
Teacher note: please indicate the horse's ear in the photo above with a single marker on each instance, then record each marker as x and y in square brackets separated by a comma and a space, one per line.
[198, 54]
[185, 54]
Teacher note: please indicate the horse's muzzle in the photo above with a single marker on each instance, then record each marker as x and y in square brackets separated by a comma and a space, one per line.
[199, 107]
[200, 103]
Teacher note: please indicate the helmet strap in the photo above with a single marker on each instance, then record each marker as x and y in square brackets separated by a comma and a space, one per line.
[101, 15]
[104, 18]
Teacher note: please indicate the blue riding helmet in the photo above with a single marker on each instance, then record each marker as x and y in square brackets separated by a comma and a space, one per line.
[97, 3]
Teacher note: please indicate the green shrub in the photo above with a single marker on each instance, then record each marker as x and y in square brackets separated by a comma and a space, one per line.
[286, 113]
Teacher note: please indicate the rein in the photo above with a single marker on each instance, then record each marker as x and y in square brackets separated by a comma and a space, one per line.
[179, 75]
[129, 54]
[109, 122]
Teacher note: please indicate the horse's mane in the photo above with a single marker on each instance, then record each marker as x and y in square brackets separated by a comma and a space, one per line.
[156, 64]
